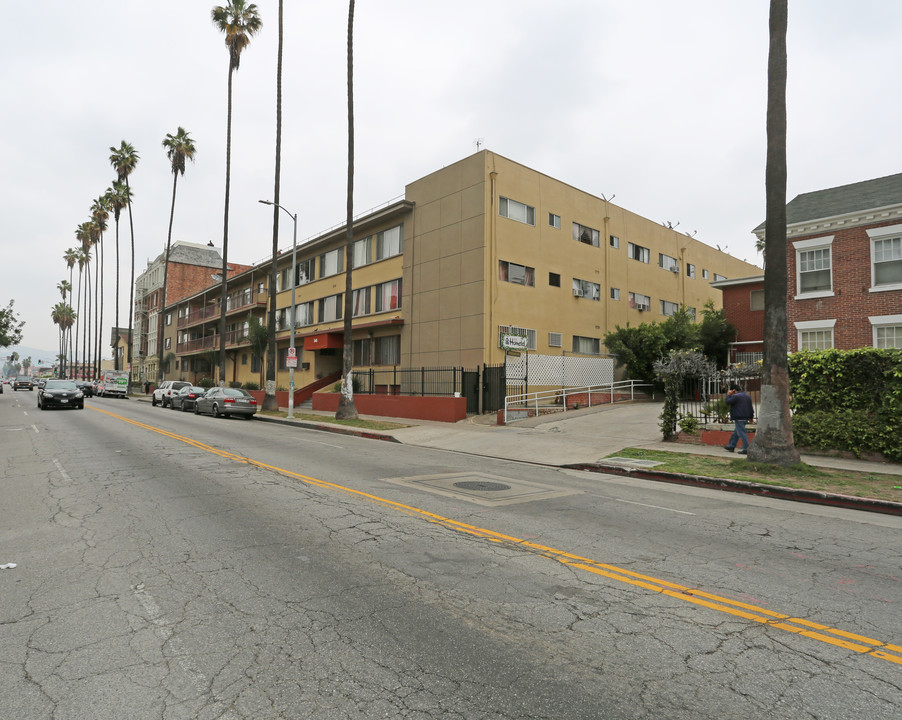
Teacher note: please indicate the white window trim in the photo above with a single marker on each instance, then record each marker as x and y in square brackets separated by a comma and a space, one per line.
[880, 234]
[814, 244]
[806, 325]
[878, 321]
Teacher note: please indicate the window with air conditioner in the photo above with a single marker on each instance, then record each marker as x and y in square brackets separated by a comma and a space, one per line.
[639, 301]
[555, 339]
[668, 263]
[586, 289]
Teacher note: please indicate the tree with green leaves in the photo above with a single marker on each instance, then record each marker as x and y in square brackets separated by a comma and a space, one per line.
[715, 334]
[119, 197]
[179, 149]
[774, 440]
[71, 258]
[238, 21]
[10, 327]
[269, 387]
[346, 406]
[64, 317]
[124, 160]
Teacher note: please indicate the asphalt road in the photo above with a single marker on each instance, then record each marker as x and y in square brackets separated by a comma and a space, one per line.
[173, 566]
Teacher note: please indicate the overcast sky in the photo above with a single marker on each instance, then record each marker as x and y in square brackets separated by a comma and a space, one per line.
[660, 103]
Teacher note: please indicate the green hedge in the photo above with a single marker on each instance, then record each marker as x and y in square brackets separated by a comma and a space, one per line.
[848, 400]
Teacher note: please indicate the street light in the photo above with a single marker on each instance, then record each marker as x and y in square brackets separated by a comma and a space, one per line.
[294, 251]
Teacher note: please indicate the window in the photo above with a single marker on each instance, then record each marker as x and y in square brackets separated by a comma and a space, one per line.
[284, 279]
[586, 289]
[331, 263]
[168, 344]
[586, 345]
[517, 274]
[886, 258]
[305, 272]
[718, 277]
[554, 279]
[389, 243]
[586, 235]
[554, 221]
[281, 318]
[668, 308]
[528, 333]
[330, 308]
[814, 275]
[555, 339]
[261, 288]
[388, 296]
[387, 350]
[691, 311]
[169, 318]
[244, 358]
[615, 293]
[516, 211]
[690, 270]
[756, 300]
[303, 314]
[815, 334]
[668, 263]
[637, 252]
[255, 364]
[282, 358]
[704, 274]
[615, 241]
[887, 331]
[640, 302]
[360, 301]
[363, 352]
[361, 252]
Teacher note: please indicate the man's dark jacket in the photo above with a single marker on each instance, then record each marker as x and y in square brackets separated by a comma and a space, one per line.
[740, 406]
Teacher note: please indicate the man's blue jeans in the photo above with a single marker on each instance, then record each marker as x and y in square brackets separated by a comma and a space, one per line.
[739, 434]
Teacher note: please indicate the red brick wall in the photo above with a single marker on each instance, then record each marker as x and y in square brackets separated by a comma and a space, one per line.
[852, 302]
[736, 303]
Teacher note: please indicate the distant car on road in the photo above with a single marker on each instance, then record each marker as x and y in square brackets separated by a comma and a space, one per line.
[163, 394]
[222, 402]
[86, 386]
[22, 382]
[185, 398]
[61, 393]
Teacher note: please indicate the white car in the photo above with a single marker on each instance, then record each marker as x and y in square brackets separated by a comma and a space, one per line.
[163, 394]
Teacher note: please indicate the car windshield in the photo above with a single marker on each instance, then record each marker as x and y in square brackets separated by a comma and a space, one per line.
[60, 385]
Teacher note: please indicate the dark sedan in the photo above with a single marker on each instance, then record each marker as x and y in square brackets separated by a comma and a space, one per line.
[86, 387]
[23, 382]
[185, 398]
[222, 402]
[61, 393]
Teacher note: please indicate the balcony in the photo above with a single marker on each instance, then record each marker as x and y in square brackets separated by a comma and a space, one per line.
[234, 338]
[240, 303]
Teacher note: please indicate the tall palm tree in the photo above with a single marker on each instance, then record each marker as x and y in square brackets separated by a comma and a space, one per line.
[773, 440]
[65, 288]
[269, 397]
[71, 258]
[179, 148]
[83, 234]
[63, 315]
[239, 21]
[124, 159]
[346, 406]
[100, 213]
[94, 238]
[119, 196]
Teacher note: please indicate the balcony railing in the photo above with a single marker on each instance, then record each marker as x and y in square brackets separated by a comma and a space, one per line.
[242, 303]
[233, 338]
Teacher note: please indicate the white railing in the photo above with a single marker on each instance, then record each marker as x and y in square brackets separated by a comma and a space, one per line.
[563, 399]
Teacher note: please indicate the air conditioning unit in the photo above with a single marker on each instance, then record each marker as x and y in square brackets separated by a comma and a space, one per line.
[577, 292]
[641, 307]
[674, 268]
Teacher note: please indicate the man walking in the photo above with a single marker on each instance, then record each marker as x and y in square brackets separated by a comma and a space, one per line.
[741, 411]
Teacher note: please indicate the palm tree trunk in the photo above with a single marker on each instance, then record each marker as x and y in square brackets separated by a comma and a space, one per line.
[773, 439]
[78, 321]
[115, 338]
[269, 397]
[131, 285]
[175, 179]
[86, 335]
[346, 406]
[225, 241]
[100, 320]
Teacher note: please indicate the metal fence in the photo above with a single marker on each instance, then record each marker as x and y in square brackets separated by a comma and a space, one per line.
[703, 398]
[435, 381]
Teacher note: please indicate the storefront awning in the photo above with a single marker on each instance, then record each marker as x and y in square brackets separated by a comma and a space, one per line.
[324, 341]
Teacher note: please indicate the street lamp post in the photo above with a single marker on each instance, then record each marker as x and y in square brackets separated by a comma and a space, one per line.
[294, 251]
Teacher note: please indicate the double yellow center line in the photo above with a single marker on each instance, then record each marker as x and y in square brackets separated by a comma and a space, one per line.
[800, 626]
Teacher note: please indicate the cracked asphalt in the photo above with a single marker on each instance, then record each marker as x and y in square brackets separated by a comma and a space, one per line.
[171, 566]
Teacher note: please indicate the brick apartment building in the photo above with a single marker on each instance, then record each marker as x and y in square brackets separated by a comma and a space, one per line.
[844, 262]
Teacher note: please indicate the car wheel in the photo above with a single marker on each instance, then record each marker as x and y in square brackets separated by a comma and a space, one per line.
[196, 409]
[81, 407]
[184, 407]
[40, 406]
[226, 416]
[216, 410]
[153, 401]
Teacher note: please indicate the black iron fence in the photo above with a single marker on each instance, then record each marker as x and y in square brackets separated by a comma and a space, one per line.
[704, 398]
[436, 381]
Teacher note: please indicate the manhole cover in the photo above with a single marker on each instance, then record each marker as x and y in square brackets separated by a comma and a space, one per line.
[481, 485]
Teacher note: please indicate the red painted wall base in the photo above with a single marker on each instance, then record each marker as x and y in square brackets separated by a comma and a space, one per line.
[441, 409]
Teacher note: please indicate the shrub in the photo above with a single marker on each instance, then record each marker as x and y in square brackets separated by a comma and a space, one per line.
[235, 384]
[689, 424]
[251, 385]
[205, 382]
[355, 385]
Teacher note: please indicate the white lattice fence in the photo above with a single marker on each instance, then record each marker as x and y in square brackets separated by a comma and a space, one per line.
[561, 370]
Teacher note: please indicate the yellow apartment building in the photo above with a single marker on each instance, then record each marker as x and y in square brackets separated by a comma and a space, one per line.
[475, 251]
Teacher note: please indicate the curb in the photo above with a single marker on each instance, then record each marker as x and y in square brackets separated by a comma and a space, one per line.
[779, 492]
[368, 434]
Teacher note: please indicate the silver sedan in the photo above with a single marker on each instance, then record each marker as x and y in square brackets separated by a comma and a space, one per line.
[222, 402]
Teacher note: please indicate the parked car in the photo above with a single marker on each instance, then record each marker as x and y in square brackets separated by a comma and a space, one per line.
[163, 394]
[22, 382]
[86, 387]
[61, 393]
[185, 398]
[222, 402]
